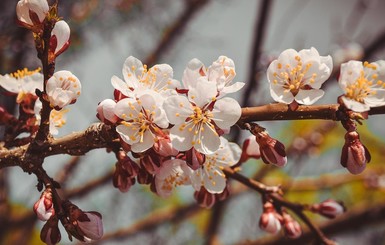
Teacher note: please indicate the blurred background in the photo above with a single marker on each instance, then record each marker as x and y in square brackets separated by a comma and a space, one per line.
[252, 33]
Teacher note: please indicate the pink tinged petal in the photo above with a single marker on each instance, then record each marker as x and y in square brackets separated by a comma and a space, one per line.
[200, 98]
[279, 94]
[355, 105]
[92, 229]
[208, 141]
[38, 7]
[105, 111]
[132, 71]
[214, 182]
[144, 144]
[61, 32]
[308, 97]
[192, 73]
[174, 170]
[10, 84]
[177, 109]
[63, 88]
[181, 138]
[269, 223]
[226, 112]
[196, 179]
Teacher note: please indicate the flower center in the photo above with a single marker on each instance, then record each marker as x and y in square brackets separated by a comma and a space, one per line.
[293, 77]
[364, 85]
[174, 180]
[140, 122]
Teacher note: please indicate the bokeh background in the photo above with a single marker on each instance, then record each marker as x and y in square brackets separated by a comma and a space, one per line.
[252, 33]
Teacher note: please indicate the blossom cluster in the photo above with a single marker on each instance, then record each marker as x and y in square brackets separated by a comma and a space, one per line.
[171, 130]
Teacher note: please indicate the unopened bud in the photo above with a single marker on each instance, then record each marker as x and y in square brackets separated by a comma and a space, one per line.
[207, 200]
[354, 154]
[125, 173]
[50, 233]
[329, 208]
[291, 227]
[44, 207]
[31, 13]
[105, 111]
[270, 220]
[84, 226]
[60, 38]
[194, 158]
[272, 151]
[163, 146]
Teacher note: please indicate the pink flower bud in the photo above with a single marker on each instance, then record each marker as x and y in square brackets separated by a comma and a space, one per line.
[272, 151]
[50, 233]
[84, 226]
[144, 177]
[106, 113]
[250, 149]
[291, 227]
[194, 158]
[163, 146]
[329, 208]
[44, 207]
[270, 220]
[63, 88]
[91, 226]
[354, 154]
[206, 199]
[151, 161]
[60, 38]
[125, 173]
[31, 13]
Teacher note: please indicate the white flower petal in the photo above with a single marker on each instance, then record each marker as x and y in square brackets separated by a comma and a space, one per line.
[377, 99]
[128, 134]
[181, 139]
[308, 97]
[192, 73]
[132, 71]
[226, 112]
[233, 88]
[280, 94]
[177, 109]
[145, 144]
[214, 183]
[209, 140]
[10, 84]
[355, 105]
[199, 97]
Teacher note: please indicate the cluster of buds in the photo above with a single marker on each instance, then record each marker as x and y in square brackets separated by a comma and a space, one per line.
[272, 221]
[84, 226]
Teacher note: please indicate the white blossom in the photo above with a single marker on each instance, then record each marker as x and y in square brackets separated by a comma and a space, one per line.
[298, 76]
[142, 118]
[210, 175]
[195, 118]
[22, 83]
[172, 173]
[63, 88]
[138, 79]
[221, 72]
[363, 84]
